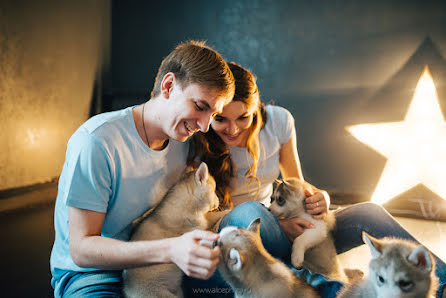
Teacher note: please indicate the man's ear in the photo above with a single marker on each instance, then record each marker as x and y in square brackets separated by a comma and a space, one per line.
[167, 84]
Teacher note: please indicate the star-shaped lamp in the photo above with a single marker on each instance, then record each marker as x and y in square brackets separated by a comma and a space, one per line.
[415, 148]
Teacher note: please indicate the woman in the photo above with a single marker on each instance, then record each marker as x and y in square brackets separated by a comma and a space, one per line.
[247, 146]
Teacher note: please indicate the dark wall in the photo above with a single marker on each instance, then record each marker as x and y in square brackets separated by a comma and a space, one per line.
[319, 59]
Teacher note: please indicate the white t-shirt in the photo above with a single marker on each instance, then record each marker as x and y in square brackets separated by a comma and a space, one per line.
[277, 131]
[109, 169]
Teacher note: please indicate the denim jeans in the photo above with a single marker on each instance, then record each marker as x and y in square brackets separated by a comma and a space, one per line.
[351, 222]
[92, 284]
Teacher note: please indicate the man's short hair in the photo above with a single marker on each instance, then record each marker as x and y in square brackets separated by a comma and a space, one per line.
[196, 62]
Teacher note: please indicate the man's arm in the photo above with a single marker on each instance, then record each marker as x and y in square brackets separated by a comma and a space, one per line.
[89, 249]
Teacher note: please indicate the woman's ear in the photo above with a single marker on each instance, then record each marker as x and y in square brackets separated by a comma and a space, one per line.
[167, 84]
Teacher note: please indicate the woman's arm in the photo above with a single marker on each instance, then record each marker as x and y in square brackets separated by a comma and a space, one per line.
[318, 200]
[89, 249]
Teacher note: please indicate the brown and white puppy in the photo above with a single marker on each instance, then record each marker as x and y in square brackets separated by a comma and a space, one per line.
[289, 201]
[191, 198]
[251, 271]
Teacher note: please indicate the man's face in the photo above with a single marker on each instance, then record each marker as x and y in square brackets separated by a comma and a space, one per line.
[193, 108]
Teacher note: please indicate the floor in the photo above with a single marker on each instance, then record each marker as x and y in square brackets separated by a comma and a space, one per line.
[28, 234]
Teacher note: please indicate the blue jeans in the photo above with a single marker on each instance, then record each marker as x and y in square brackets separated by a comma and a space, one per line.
[92, 284]
[351, 221]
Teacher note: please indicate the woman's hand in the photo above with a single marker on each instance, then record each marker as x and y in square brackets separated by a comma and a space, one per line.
[294, 227]
[317, 201]
[195, 260]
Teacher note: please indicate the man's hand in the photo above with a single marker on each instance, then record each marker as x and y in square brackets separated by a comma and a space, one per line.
[195, 260]
[294, 227]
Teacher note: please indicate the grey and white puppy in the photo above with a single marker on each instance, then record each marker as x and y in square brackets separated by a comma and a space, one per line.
[251, 271]
[191, 198]
[398, 268]
[289, 201]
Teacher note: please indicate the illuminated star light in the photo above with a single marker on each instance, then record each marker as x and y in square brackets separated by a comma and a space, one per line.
[415, 148]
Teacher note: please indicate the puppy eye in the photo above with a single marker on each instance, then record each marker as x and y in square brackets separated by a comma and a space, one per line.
[280, 201]
[381, 280]
[405, 285]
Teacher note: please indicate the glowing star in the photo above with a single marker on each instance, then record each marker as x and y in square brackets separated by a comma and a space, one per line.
[415, 148]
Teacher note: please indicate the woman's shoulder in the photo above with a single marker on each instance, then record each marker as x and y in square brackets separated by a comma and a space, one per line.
[277, 111]
[277, 114]
[279, 123]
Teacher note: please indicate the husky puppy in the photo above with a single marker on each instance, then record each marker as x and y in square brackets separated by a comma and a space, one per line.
[251, 271]
[398, 268]
[289, 201]
[191, 198]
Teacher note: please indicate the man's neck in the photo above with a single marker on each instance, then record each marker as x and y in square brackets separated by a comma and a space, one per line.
[149, 129]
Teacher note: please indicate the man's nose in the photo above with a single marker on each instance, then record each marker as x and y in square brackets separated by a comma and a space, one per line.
[203, 123]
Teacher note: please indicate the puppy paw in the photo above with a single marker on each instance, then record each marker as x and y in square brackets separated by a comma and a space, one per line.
[297, 261]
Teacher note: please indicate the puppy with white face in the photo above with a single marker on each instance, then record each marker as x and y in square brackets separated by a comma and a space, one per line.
[398, 268]
[251, 271]
[288, 201]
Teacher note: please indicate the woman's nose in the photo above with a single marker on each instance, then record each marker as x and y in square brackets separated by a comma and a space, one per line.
[232, 129]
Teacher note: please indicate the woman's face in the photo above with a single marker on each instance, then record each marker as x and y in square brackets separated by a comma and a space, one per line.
[233, 124]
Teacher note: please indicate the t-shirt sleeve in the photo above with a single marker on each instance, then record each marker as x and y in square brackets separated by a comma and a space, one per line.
[285, 124]
[87, 174]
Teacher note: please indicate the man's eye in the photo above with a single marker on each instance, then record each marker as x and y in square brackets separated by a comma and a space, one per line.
[198, 108]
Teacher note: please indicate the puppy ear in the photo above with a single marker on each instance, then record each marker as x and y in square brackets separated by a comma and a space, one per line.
[235, 260]
[201, 176]
[254, 226]
[375, 246]
[421, 258]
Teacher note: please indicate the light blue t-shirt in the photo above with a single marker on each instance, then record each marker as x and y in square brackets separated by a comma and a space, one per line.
[277, 131]
[109, 169]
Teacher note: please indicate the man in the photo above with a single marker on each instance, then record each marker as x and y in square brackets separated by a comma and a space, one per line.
[118, 164]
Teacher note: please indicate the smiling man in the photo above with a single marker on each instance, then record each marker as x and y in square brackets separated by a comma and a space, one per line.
[119, 164]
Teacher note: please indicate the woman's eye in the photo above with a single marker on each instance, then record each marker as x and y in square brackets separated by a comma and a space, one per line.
[243, 117]
[219, 119]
